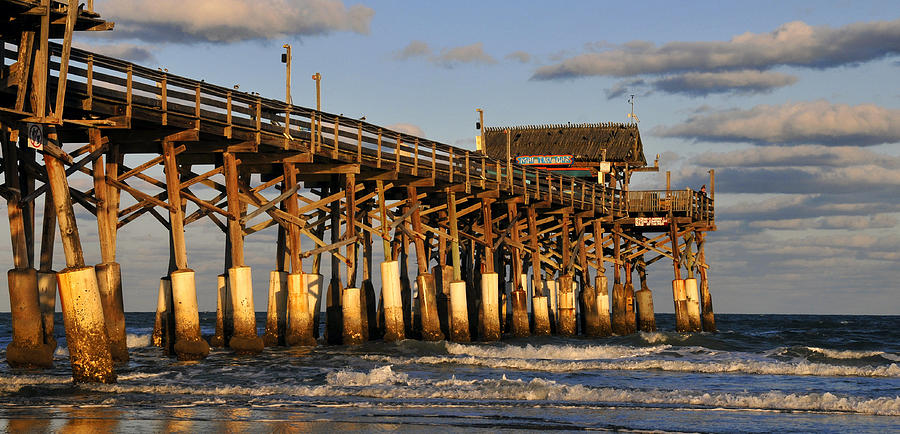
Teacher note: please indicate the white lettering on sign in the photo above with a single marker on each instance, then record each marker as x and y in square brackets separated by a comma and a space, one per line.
[651, 221]
[544, 160]
[36, 136]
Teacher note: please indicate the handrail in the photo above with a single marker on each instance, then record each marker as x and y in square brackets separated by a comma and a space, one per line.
[342, 138]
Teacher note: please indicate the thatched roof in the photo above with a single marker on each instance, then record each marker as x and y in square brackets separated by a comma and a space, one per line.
[585, 141]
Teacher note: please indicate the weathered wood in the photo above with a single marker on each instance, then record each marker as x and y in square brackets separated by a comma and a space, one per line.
[535, 252]
[176, 214]
[14, 207]
[235, 231]
[488, 232]
[68, 229]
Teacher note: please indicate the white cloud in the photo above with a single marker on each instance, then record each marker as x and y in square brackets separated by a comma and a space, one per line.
[132, 52]
[520, 56]
[406, 128]
[794, 123]
[448, 57]
[792, 44]
[224, 21]
[413, 49]
[706, 83]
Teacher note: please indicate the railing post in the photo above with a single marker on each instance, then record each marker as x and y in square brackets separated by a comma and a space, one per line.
[416, 158]
[378, 162]
[359, 143]
[165, 99]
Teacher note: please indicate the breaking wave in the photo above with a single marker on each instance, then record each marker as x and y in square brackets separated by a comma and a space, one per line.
[384, 383]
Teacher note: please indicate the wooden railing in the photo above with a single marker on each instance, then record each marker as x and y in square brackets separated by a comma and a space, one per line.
[157, 96]
[686, 202]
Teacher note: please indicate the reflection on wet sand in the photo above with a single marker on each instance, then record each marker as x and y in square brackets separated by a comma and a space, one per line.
[27, 425]
[91, 420]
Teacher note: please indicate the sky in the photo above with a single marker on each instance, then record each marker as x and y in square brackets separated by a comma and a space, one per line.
[796, 105]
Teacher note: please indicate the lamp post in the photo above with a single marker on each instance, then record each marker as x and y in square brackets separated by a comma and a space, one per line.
[481, 128]
[286, 59]
[318, 127]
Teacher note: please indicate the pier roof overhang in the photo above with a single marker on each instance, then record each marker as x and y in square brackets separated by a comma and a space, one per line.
[587, 142]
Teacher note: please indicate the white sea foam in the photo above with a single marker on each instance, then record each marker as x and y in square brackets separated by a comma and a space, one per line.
[137, 341]
[851, 354]
[61, 352]
[555, 352]
[382, 375]
[12, 383]
[384, 383]
[745, 366]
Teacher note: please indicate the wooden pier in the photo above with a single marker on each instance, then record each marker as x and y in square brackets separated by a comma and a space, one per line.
[478, 226]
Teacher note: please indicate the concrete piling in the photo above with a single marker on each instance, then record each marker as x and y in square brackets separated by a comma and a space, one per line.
[682, 322]
[313, 283]
[428, 315]
[566, 324]
[47, 285]
[539, 310]
[189, 344]
[394, 329]
[646, 320]
[218, 340]
[85, 326]
[245, 339]
[27, 348]
[459, 313]
[693, 304]
[159, 325]
[276, 312]
[109, 279]
[352, 316]
[604, 323]
[299, 329]
[490, 310]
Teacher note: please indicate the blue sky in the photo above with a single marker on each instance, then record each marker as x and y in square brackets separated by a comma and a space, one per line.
[795, 104]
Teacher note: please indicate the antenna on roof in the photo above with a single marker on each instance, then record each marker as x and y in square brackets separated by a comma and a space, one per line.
[632, 115]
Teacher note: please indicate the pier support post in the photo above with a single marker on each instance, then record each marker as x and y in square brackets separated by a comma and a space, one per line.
[367, 291]
[618, 296]
[693, 304]
[644, 300]
[47, 283]
[630, 319]
[708, 318]
[27, 348]
[109, 273]
[539, 308]
[240, 284]
[566, 323]
[334, 321]
[490, 281]
[459, 313]
[159, 325]
[352, 315]
[222, 300]
[601, 284]
[391, 305]
[109, 280]
[189, 344]
[390, 300]
[428, 314]
[299, 321]
[520, 322]
[85, 326]
[298, 317]
[588, 296]
[276, 309]
[245, 339]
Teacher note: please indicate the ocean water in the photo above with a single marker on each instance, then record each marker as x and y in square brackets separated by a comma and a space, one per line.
[759, 373]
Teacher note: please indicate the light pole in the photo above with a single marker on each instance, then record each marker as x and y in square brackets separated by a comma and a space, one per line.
[318, 127]
[481, 145]
[286, 59]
